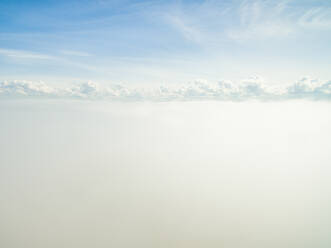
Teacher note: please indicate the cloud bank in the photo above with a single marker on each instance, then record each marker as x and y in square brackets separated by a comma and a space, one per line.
[249, 89]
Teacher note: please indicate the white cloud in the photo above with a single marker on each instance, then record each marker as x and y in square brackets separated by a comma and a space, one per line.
[262, 20]
[319, 18]
[189, 31]
[212, 22]
[248, 89]
[311, 88]
[20, 54]
[26, 88]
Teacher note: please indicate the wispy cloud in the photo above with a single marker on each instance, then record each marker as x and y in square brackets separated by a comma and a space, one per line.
[20, 54]
[248, 20]
[249, 89]
[63, 57]
[261, 20]
[319, 18]
[189, 31]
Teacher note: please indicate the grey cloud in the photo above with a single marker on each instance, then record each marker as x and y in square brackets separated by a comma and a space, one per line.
[249, 89]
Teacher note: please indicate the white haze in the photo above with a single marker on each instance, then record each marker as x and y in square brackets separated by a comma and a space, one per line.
[81, 174]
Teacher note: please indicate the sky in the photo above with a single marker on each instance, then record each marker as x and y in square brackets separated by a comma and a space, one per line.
[165, 124]
[152, 43]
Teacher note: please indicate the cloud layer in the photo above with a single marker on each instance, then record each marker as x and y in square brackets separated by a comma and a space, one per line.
[249, 89]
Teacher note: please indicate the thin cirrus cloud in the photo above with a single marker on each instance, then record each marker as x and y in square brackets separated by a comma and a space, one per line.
[21, 54]
[249, 89]
[212, 21]
[316, 18]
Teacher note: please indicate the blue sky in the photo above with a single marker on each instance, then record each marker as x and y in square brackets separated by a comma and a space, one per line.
[164, 42]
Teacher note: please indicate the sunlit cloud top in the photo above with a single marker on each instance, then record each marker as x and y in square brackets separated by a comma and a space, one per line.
[249, 89]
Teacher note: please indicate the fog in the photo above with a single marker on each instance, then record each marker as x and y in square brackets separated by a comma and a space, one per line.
[82, 174]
